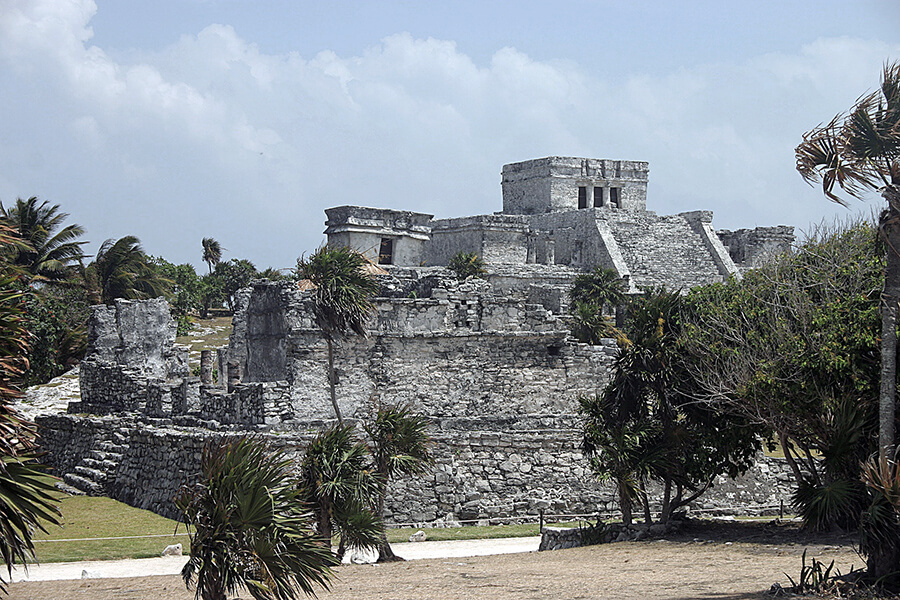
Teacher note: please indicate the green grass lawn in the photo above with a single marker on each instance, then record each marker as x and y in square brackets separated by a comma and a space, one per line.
[86, 517]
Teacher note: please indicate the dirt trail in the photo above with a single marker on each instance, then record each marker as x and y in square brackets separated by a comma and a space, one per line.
[653, 570]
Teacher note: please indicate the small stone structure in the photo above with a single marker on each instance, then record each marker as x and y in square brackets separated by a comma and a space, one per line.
[489, 362]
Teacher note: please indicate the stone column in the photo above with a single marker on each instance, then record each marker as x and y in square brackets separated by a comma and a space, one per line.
[222, 359]
[234, 375]
[206, 367]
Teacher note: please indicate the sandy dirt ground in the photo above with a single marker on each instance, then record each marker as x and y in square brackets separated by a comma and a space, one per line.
[723, 562]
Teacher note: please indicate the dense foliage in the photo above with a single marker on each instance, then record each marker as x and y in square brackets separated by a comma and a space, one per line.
[27, 493]
[400, 445]
[647, 426]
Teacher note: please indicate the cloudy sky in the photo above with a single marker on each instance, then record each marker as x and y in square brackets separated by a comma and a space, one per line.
[242, 120]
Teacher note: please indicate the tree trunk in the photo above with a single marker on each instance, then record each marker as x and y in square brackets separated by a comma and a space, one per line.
[645, 502]
[385, 553]
[625, 503]
[789, 457]
[332, 382]
[890, 228]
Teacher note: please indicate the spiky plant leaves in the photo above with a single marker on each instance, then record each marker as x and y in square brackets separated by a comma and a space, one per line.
[251, 528]
[338, 480]
[122, 270]
[342, 299]
[466, 264]
[343, 289]
[823, 506]
[49, 252]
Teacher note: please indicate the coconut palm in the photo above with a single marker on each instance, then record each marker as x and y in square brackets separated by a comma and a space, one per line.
[337, 479]
[122, 270]
[27, 498]
[212, 252]
[399, 446]
[342, 298]
[859, 152]
[250, 527]
[48, 253]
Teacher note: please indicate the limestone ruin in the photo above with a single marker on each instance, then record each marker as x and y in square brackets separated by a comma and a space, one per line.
[490, 362]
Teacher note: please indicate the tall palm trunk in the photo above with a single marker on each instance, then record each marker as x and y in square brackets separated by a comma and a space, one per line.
[890, 297]
[332, 381]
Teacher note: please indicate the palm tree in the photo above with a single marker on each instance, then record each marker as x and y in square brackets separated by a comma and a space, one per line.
[342, 300]
[858, 152]
[399, 446]
[250, 526]
[338, 481]
[47, 255]
[624, 452]
[212, 252]
[590, 294]
[27, 493]
[122, 270]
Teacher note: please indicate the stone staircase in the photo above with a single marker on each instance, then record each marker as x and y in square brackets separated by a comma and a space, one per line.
[98, 467]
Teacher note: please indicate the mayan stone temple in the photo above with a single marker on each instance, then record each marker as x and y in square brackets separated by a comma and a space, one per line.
[490, 361]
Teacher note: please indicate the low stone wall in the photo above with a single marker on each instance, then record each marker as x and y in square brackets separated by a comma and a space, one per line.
[477, 476]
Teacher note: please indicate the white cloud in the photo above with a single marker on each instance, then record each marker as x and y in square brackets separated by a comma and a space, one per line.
[213, 137]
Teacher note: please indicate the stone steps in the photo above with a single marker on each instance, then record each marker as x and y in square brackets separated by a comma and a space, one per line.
[93, 471]
[91, 488]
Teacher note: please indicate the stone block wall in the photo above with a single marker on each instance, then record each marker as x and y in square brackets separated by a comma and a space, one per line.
[750, 248]
[478, 475]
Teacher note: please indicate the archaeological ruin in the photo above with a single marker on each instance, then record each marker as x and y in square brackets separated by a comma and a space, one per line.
[489, 361]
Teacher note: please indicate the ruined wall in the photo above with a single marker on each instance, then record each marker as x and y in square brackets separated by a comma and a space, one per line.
[461, 351]
[130, 345]
[750, 248]
[477, 474]
[497, 239]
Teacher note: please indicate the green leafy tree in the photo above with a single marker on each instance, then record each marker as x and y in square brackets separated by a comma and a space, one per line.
[466, 264]
[55, 319]
[652, 390]
[342, 299]
[50, 251]
[251, 528]
[27, 493]
[122, 270]
[399, 443]
[233, 275]
[212, 252]
[858, 152]
[794, 347]
[591, 295]
[338, 481]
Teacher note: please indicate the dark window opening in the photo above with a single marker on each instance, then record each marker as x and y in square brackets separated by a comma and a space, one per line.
[598, 197]
[554, 350]
[386, 253]
[582, 197]
[614, 197]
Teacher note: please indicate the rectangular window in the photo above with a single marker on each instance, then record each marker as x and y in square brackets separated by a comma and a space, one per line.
[614, 197]
[582, 197]
[598, 197]
[386, 253]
